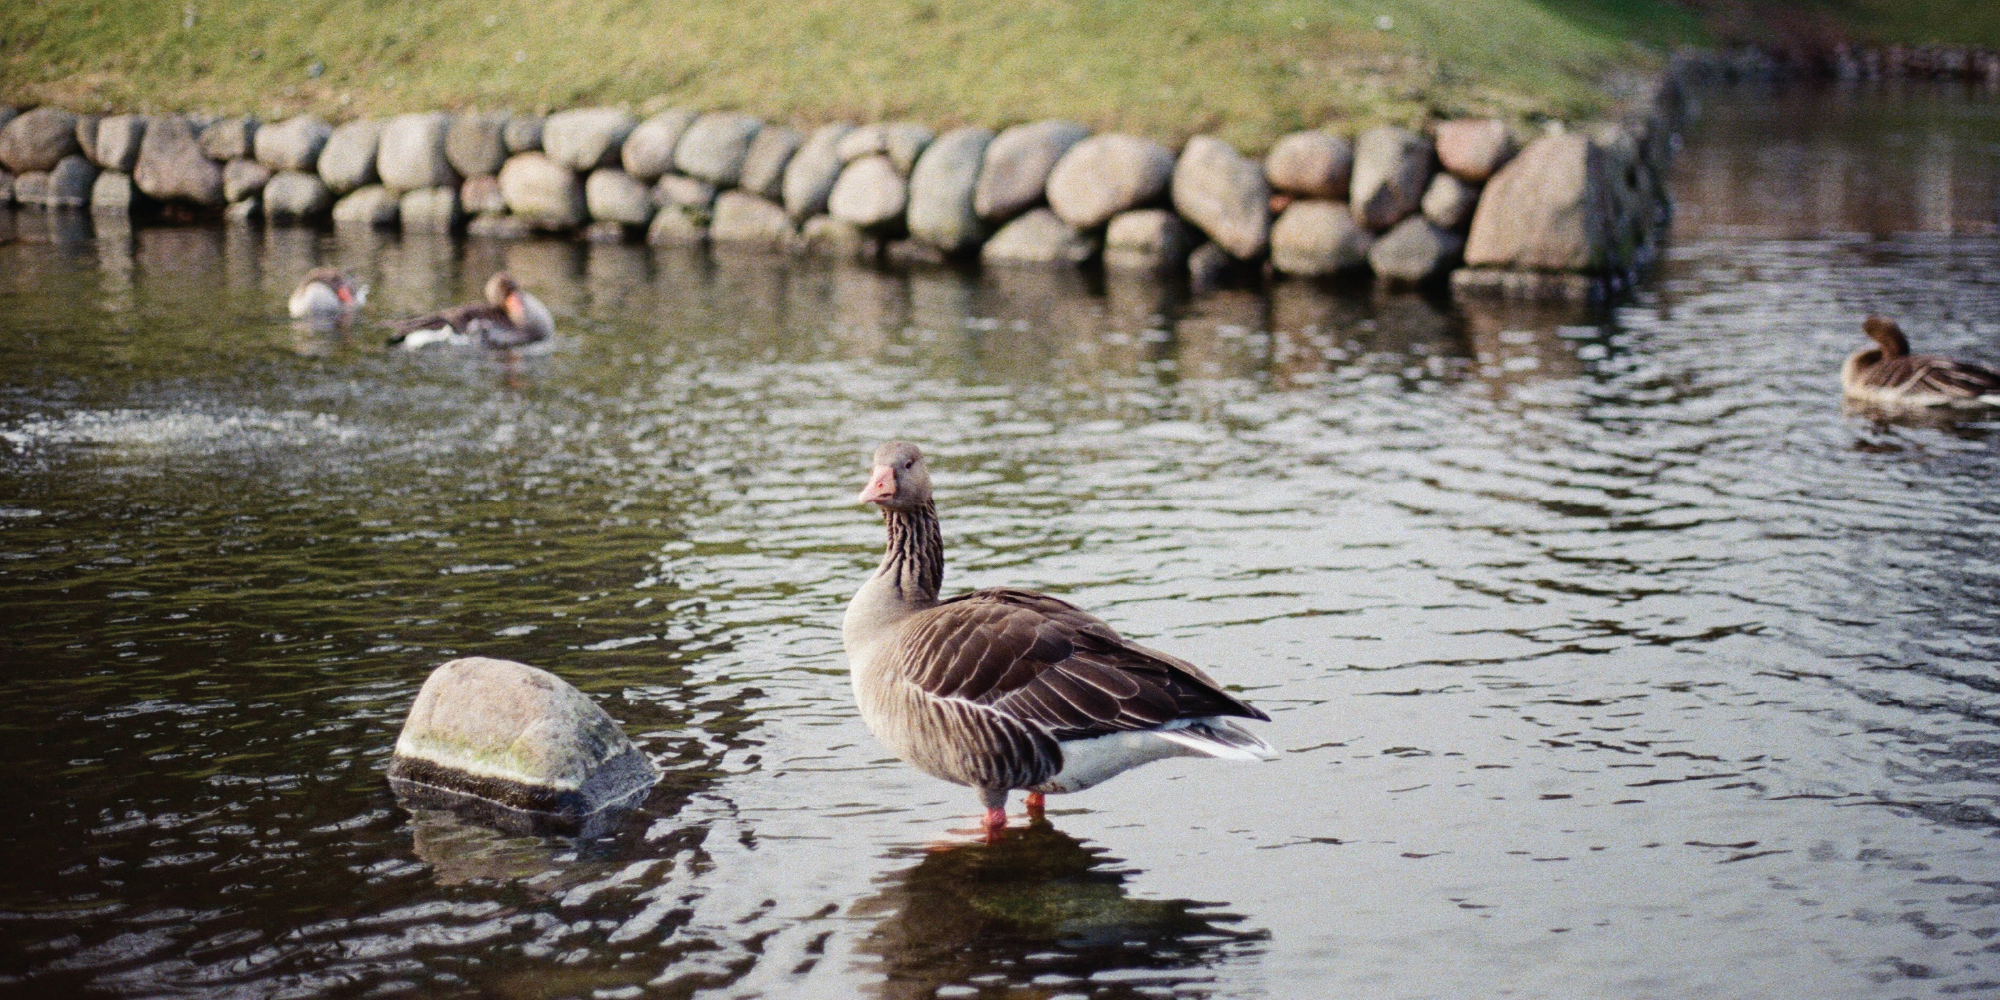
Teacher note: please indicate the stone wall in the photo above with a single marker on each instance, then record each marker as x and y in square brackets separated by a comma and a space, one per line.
[1565, 212]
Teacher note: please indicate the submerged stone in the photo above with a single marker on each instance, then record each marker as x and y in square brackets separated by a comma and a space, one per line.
[516, 745]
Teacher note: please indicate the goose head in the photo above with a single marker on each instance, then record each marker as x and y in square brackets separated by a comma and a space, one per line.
[1886, 333]
[503, 291]
[898, 481]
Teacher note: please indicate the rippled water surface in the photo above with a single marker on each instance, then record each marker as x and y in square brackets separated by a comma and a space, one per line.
[1609, 656]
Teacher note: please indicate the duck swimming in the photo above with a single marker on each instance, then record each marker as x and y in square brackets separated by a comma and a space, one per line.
[326, 294]
[509, 318]
[1888, 375]
[1004, 688]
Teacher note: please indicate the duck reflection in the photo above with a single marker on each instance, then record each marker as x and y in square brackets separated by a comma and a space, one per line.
[1039, 907]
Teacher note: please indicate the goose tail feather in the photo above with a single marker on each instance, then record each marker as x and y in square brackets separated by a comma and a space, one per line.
[1218, 737]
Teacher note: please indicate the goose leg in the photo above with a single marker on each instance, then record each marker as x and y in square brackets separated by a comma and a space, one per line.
[995, 800]
[1035, 805]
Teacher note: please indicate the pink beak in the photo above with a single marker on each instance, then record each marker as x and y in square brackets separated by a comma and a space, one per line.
[881, 487]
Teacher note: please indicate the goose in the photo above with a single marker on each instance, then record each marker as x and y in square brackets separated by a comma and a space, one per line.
[326, 294]
[510, 318]
[1004, 688]
[1889, 375]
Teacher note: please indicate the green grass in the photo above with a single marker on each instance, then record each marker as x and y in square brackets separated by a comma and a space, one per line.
[1249, 70]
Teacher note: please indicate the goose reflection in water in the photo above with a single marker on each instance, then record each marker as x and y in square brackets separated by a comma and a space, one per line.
[1040, 907]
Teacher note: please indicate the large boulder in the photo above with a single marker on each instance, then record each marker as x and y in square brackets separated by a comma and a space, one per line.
[1039, 237]
[715, 145]
[941, 191]
[411, 153]
[430, 210]
[516, 745]
[1108, 174]
[1311, 165]
[612, 195]
[118, 139]
[292, 144]
[38, 140]
[1449, 202]
[764, 165]
[1550, 208]
[347, 161]
[171, 166]
[6, 195]
[814, 169]
[32, 188]
[1224, 193]
[871, 193]
[1148, 239]
[476, 145]
[1314, 238]
[1391, 166]
[678, 225]
[587, 138]
[243, 179]
[295, 194]
[523, 134]
[111, 194]
[1414, 251]
[86, 136]
[1474, 149]
[1017, 166]
[649, 151]
[370, 206]
[70, 182]
[746, 220]
[542, 191]
[828, 236]
[230, 139]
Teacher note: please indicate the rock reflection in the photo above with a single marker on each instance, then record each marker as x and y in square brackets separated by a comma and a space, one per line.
[1045, 909]
[1517, 344]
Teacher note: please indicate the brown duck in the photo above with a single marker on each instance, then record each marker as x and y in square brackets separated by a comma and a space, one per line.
[1888, 375]
[509, 318]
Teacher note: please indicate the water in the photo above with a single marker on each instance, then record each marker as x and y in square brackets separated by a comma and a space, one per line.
[1610, 658]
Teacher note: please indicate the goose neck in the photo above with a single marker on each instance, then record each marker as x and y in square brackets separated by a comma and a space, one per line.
[913, 562]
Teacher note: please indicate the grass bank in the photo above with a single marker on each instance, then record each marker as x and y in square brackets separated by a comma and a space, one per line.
[1247, 69]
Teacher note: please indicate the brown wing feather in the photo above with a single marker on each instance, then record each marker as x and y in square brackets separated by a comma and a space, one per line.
[460, 318]
[1930, 372]
[1044, 661]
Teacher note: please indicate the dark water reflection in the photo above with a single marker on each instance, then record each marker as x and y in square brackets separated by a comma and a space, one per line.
[1611, 657]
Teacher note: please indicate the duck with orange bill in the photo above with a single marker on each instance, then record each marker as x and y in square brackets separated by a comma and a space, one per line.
[511, 317]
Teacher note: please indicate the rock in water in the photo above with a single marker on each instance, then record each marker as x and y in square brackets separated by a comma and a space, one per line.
[481, 196]
[347, 161]
[1108, 174]
[1225, 194]
[1474, 149]
[1039, 237]
[1315, 238]
[1391, 166]
[1549, 209]
[1017, 166]
[941, 189]
[292, 144]
[38, 140]
[1414, 251]
[70, 182]
[715, 146]
[295, 194]
[870, 193]
[747, 220]
[517, 745]
[1311, 165]
[810, 177]
[1448, 202]
[612, 195]
[542, 191]
[1148, 239]
[434, 210]
[111, 194]
[172, 167]
[370, 206]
